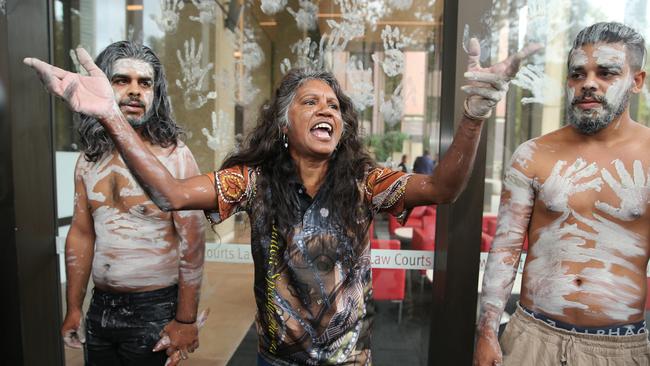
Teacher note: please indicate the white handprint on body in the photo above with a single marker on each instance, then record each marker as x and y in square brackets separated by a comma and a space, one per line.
[558, 187]
[632, 191]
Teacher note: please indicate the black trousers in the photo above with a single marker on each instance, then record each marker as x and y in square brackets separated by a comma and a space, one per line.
[123, 328]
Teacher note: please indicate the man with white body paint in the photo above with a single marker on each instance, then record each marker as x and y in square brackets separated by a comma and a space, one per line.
[146, 264]
[581, 194]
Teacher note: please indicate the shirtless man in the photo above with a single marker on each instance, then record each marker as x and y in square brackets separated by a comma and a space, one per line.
[146, 263]
[581, 194]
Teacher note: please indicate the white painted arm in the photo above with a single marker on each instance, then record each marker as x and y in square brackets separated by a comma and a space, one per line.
[517, 200]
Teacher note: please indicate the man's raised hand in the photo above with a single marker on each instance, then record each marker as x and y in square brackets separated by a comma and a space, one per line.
[91, 95]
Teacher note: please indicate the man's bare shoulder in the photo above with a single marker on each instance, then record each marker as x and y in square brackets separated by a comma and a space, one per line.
[532, 156]
[640, 135]
[179, 150]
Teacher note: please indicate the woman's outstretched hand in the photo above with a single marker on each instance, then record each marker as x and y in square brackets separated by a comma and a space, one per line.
[91, 95]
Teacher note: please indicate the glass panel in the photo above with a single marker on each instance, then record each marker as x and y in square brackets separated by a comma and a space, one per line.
[536, 102]
[222, 61]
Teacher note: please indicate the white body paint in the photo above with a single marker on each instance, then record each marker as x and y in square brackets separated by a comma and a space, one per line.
[563, 183]
[633, 191]
[584, 259]
[136, 244]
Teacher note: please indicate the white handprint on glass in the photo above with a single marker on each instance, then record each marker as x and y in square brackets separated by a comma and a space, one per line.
[545, 89]
[393, 108]
[75, 63]
[393, 62]
[305, 16]
[216, 140]
[168, 19]
[270, 7]
[360, 81]
[306, 56]
[252, 53]
[246, 90]
[632, 191]
[400, 4]
[353, 19]
[194, 94]
[207, 11]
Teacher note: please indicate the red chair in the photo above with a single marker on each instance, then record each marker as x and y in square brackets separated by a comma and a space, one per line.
[423, 239]
[388, 284]
[486, 242]
[414, 220]
[490, 224]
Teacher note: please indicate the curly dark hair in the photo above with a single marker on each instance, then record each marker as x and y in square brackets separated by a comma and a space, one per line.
[160, 129]
[264, 149]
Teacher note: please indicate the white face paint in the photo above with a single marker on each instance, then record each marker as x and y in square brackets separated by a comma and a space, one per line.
[570, 95]
[607, 55]
[616, 92]
[133, 85]
[578, 58]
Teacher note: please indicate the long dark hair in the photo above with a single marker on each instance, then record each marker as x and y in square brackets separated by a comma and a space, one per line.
[160, 129]
[264, 149]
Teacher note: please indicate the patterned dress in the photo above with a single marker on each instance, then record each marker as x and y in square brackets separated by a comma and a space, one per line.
[312, 292]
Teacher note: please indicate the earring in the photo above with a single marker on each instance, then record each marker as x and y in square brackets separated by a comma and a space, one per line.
[285, 141]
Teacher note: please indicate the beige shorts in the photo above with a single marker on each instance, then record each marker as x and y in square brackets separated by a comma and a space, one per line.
[528, 341]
